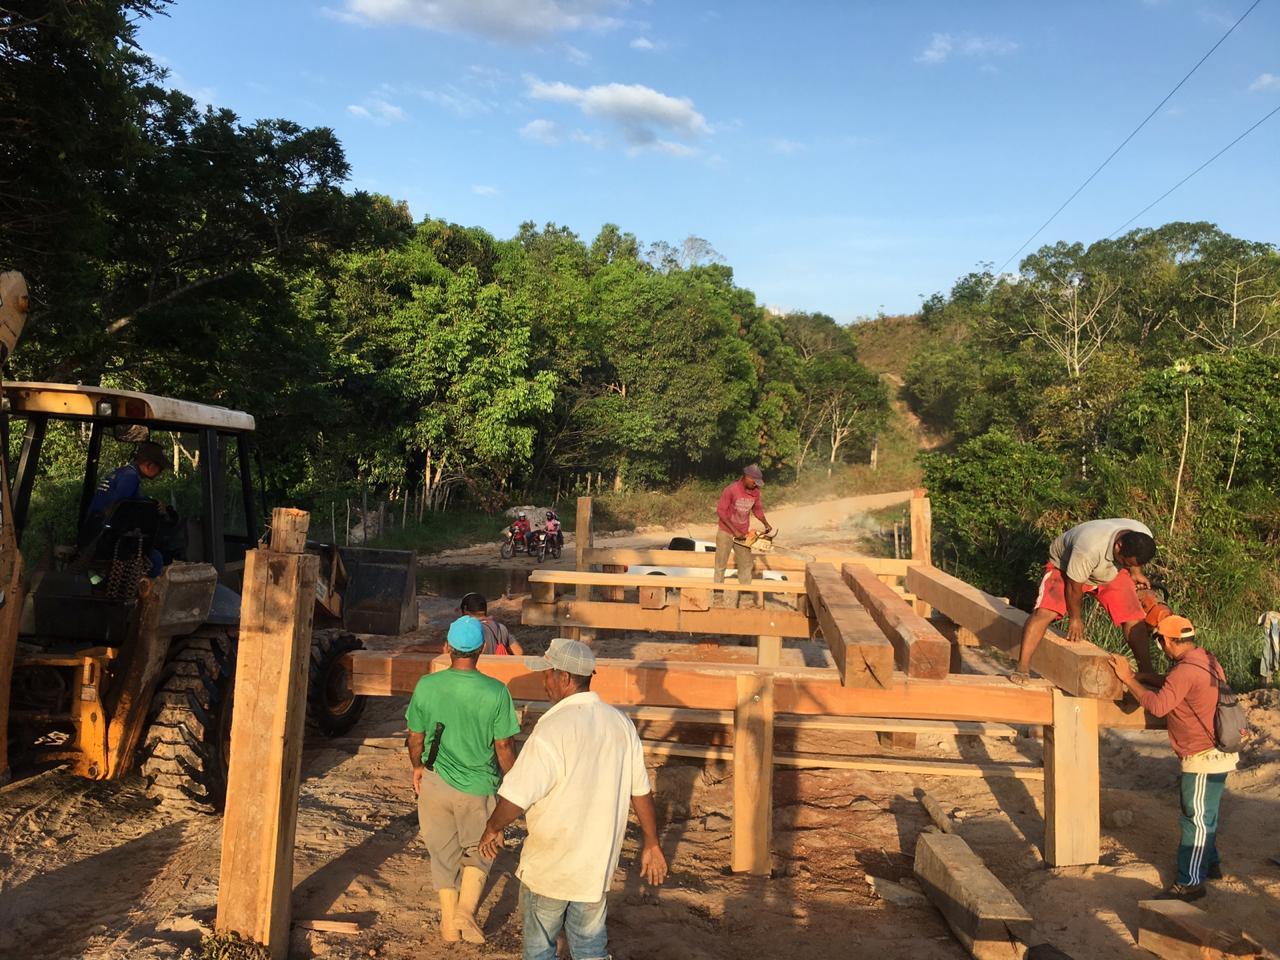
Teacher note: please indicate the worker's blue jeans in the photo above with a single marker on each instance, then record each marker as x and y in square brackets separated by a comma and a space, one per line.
[583, 925]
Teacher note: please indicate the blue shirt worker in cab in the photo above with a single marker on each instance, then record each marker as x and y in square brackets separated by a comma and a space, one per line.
[125, 483]
[461, 729]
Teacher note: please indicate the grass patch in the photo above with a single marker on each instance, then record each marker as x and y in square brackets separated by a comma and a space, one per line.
[889, 344]
[440, 531]
[229, 946]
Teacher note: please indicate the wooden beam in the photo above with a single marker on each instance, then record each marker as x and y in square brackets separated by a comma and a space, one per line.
[1081, 669]
[1174, 930]
[919, 649]
[978, 908]
[949, 728]
[862, 653]
[1072, 821]
[753, 775]
[909, 766]
[728, 621]
[921, 529]
[883, 566]
[966, 697]
[583, 542]
[603, 579]
[10, 612]
[256, 879]
[769, 651]
[289, 530]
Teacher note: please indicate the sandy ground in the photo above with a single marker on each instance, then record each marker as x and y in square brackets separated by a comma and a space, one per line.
[93, 870]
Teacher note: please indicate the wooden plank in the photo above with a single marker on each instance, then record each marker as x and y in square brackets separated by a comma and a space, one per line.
[769, 651]
[289, 530]
[695, 598]
[1174, 930]
[1082, 669]
[612, 594]
[921, 529]
[862, 653]
[978, 908]
[713, 687]
[542, 592]
[602, 579]
[583, 541]
[653, 598]
[256, 879]
[753, 775]
[1072, 821]
[909, 766]
[919, 649]
[883, 566]
[727, 621]
[329, 926]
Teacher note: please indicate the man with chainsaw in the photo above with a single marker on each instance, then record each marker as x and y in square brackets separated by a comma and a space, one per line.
[1103, 558]
[739, 501]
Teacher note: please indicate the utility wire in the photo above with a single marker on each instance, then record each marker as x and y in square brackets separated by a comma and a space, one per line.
[1116, 232]
[1125, 141]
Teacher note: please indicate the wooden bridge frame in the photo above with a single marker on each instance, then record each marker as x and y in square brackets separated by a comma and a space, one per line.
[894, 673]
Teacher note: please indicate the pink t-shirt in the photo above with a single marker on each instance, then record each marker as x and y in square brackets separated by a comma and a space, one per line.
[736, 506]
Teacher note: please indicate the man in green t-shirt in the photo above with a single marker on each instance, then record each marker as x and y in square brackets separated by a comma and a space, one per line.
[461, 725]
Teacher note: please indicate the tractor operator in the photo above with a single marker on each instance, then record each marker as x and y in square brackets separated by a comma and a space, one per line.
[739, 501]
[125, 483]
[1104, 558]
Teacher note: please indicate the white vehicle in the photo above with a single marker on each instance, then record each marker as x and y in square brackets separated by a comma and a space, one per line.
[696, 546]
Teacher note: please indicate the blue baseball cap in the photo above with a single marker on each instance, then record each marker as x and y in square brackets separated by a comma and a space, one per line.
[466, 635]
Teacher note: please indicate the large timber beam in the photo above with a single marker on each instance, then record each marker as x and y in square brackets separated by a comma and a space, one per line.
[591, 578]
[714, 687]
[600, 615]
[1081, 669]
[689, 559]
[920, 650]
[862, 652]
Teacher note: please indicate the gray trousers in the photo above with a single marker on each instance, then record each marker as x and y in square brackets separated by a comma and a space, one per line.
[742, 559]
[451, 823]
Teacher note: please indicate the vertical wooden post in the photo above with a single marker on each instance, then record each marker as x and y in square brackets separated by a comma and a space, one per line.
[753, 775]
[10, 613]
[1072, 826]
[583, 540]
[922, 539]
[769, 651]
[256, 878]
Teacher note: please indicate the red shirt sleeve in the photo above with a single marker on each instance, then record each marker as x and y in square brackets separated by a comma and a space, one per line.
[724, 509]
[1160, 702]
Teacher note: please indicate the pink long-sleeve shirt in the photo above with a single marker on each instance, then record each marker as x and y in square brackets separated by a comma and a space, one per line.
[736, 506]
[1189, 701]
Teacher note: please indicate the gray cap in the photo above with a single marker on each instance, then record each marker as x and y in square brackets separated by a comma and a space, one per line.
[571, 656]
[754, 472]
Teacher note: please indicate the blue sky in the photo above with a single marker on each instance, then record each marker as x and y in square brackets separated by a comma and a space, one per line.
[842, 156]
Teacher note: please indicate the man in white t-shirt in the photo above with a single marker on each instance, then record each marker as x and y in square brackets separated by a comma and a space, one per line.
[579, 771]
[1103, 558]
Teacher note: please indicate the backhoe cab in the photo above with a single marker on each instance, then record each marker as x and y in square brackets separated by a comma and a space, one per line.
[117, 667]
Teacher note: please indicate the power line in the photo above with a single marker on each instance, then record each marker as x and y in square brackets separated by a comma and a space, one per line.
[1116, 232]
[1123, 142]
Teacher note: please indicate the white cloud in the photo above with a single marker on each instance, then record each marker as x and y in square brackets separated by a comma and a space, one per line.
[590, 139]
[484, 190]
[511, 21]
[487, 77]
[643, 43]
[639, 111]
[787, 147]
[943, 45]
[1265, 81]
[574, 55]
[457, 100]
[675, 149]
[543, 131]
[378, 110]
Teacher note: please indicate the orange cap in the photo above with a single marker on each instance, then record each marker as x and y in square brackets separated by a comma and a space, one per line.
[1176, 628]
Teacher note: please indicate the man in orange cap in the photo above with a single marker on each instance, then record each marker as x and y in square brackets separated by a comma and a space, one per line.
[1188, 698]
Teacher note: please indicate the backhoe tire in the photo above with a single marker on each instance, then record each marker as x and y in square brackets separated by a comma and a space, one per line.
[185, 750]
[332, 709]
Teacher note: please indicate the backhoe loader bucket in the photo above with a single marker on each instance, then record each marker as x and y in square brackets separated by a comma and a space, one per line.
[381, 591]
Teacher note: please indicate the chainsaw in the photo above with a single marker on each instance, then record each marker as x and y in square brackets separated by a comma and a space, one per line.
[1154, 606]
[757, 541]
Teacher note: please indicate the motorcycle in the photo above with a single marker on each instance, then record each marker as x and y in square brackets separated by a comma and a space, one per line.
[538, 544]
[513, 543]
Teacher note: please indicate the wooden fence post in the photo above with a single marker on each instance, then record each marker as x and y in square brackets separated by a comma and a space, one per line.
[1072, 825]
[583, 540]
[753, 775]
[922, 539]
[256, 877]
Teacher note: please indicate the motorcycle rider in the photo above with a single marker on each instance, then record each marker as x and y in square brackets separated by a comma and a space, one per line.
[520, 529]
[553, 529]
